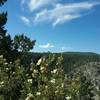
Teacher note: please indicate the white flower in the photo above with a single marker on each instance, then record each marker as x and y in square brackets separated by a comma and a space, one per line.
[38, 93]
[42, 68]
[31, 69]
[29, 80]
[10, 62]
[52, 81]
[54, 71]
[46, 86]
[6, 63]
[26, 74]
[39, 61]
[29, 96]
[1, 56]
[4, 60]
[1, 83]
[97, 88]
[68, 97]
[13, 73]
[56, 91]
[35, 71]
[33, 75]
[62, 85]
[7, 69]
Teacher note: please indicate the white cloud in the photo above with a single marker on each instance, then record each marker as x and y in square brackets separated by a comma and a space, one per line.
[63, 13]
[37, 4]
[56, 12]
[46, 46]
[25, 20]
[66, 48]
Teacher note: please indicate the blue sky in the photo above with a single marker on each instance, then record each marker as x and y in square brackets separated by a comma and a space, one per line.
[56, 25]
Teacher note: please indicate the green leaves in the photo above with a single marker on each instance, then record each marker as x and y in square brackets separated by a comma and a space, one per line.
[42, 83]
[23, 43]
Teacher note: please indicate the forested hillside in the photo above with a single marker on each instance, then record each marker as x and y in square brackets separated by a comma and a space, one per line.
[71, 60]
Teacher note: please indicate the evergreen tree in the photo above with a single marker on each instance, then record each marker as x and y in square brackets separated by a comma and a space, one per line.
[5, 39]
[23, 44]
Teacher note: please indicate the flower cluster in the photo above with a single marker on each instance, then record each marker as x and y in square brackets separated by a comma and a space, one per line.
[41, 82]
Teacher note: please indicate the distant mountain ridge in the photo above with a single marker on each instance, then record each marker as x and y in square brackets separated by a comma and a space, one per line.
[83, 53]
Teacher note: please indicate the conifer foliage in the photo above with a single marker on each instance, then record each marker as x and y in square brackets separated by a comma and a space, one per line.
[23, 43]
[9, 48]
[5, 39]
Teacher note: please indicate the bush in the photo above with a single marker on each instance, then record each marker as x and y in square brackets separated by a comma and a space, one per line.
[40, 82]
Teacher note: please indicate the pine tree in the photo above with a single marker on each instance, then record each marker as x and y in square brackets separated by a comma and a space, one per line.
[5, 39]
[23, 44]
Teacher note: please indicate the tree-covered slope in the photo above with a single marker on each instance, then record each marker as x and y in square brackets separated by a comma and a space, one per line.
[70, 59]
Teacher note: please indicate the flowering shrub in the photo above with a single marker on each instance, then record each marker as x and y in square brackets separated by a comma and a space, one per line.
[41, 82]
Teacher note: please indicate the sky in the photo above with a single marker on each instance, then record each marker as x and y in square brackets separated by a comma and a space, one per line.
[56, 25]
